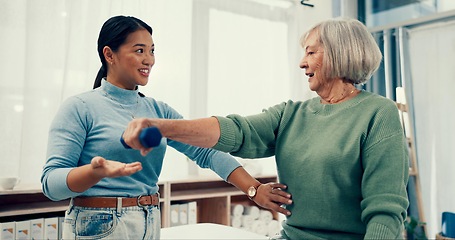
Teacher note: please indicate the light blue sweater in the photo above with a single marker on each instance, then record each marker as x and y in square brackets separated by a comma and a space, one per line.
[91, 124]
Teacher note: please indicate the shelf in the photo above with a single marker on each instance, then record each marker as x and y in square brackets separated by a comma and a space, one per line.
[28, 202]
[22, 190]
[33, 208]
[204, 193]
[213, 195]
[206, 188]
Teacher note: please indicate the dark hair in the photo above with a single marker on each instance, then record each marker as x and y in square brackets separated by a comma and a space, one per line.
[113, 34]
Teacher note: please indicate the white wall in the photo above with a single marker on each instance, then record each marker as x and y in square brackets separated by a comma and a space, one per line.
[235, 83]
[49, 53]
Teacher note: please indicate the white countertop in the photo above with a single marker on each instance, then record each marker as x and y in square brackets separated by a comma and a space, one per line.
[207, 231]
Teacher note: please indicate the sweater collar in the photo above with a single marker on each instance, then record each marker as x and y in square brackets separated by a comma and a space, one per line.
[318, 107]
[120, 95]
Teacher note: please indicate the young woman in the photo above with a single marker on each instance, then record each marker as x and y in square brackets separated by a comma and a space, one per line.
[113, 189]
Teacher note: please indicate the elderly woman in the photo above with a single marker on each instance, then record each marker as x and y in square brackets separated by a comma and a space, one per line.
[342, 154]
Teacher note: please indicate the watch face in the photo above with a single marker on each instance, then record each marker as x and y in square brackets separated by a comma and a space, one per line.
[251, 191]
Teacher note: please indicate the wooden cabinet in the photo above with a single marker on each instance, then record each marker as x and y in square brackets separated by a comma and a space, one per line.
[212, 195]
[19, 205]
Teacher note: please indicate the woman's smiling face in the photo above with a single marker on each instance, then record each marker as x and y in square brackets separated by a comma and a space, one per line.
[132, 63]
[312, 61]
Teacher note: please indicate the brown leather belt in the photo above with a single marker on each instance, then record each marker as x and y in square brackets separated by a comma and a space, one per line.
[113, 202]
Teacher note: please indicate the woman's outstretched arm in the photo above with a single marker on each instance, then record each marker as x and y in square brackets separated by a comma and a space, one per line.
[203, 132]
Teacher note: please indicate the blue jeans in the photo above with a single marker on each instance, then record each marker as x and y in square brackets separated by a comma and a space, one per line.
[108, 223]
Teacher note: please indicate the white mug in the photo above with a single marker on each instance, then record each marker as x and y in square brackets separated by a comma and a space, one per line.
[8, 183]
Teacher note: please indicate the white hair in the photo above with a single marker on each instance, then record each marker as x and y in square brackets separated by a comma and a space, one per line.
[350, 51]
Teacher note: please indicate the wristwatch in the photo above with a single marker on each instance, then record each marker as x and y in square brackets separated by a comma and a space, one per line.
[252, 191]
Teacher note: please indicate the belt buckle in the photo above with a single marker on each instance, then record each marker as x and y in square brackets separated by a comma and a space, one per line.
[157, 195]
[139, 201]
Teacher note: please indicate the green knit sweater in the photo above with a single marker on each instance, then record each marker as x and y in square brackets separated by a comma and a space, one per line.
[346, 165]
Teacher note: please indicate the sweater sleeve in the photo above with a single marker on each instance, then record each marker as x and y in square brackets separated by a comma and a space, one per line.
[251, 136]
[221, 163]
[386, 166]
[66, 140]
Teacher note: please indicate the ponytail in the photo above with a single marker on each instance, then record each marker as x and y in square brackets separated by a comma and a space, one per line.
[102, 73]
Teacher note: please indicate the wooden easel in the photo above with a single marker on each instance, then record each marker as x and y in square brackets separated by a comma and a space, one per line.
[414, 177]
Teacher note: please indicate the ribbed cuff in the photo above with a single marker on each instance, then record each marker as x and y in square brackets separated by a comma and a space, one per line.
[226, 143]
[384, 227]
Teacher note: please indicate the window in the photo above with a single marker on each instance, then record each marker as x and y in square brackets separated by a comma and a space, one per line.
[380, 13]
